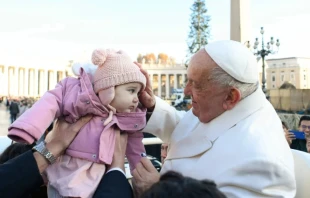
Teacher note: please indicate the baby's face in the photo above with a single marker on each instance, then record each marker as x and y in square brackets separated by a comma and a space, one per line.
[126, 97]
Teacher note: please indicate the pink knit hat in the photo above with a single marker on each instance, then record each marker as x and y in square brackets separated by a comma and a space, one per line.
[114, 68]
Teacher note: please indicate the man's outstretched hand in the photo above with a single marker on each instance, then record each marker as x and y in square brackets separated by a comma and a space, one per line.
[144, 176]
[147, 97]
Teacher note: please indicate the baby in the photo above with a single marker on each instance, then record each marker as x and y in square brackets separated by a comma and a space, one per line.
[109, 91]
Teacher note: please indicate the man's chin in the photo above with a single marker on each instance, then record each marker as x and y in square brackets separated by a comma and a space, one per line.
[195, 111]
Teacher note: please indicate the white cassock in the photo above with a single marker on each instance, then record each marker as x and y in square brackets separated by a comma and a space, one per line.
[243, 150]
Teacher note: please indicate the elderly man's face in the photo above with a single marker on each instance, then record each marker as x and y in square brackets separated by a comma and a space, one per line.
[207, 97]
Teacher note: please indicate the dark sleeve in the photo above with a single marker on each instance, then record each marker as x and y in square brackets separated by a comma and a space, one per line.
[294, 144]
[299, 144]
[19, 176]
[114, 185]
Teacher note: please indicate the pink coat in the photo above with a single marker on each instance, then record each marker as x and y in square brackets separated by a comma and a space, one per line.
[73, 98]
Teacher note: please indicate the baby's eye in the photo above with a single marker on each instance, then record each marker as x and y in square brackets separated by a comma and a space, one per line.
[131, 90]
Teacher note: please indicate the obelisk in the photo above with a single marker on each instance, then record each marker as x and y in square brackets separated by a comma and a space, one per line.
[240, 26]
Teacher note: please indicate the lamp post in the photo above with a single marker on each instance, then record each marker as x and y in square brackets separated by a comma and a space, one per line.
[263, 52]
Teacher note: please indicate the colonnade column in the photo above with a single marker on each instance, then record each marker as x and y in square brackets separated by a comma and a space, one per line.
[16, 81]
[159, 85]
[55, 80]
[31, 82]
[175, 81]
[26, 82]
[167, 86]
[5, 81]
[36, 83]
[151, 79]
[10, 81]
[21, 82]
[46, 82]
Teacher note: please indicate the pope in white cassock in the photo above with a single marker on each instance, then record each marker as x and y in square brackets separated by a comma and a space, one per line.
[232, 134]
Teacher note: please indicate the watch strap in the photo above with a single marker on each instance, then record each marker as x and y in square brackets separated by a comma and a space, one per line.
[41, 148]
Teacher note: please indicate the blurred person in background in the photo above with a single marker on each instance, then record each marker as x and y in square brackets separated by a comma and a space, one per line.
[303, 126]
[7, 103]
[14, 110]
[163, 152]
[22, 107]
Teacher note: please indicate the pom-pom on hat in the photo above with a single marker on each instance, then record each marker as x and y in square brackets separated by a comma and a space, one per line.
[114, 68]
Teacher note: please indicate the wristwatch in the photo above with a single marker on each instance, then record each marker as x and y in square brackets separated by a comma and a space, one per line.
[40, 148]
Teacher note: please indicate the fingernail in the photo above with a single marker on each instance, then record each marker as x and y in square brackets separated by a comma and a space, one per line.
[143, 154]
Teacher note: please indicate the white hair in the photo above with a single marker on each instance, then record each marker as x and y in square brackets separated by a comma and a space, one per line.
[219, 76]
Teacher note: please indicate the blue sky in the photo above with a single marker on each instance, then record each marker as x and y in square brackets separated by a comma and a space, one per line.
[36, 32]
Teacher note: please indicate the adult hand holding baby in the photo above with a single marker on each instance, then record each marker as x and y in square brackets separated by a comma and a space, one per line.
[119, 151]
[60, 138]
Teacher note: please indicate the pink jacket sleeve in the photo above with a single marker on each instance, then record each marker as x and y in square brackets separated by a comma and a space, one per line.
[134, 149]
[32, 124]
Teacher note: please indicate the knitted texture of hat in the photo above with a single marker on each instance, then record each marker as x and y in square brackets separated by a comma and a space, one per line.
[115, 68]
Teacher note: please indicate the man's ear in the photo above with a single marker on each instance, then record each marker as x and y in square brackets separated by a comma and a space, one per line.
[232, 98]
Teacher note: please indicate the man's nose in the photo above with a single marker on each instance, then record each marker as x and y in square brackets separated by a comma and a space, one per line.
[187, 90]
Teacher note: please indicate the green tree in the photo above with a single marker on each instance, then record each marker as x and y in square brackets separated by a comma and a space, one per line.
[199, 27]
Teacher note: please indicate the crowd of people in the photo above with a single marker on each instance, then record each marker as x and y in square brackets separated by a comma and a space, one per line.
[17, 105]
[229, 144]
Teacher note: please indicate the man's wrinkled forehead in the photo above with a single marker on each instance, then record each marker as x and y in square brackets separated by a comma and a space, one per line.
[202, 60]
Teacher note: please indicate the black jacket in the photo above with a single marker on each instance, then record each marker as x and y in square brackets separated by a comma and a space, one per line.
[300, 145]
[20, 177]
[14, 108]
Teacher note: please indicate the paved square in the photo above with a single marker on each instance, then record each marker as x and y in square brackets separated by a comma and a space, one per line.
[4, 120]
